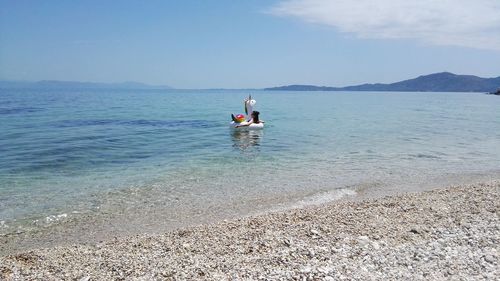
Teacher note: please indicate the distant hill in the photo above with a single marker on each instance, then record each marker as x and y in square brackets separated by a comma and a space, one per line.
[53, 84]
[437, 82]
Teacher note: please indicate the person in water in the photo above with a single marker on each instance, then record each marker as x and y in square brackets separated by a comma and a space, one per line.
[254, 120]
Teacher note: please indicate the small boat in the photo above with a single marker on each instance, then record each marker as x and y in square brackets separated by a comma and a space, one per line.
[242, 119]
[253, 126]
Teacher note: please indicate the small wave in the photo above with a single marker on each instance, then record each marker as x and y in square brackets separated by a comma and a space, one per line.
[325, 197]
[135, 123]
[19, 110]
[55, 218]
[420, 155]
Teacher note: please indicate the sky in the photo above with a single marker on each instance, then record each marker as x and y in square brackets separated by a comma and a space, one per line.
[247, 44]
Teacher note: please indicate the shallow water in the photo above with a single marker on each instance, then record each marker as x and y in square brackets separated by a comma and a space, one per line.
[150, 160]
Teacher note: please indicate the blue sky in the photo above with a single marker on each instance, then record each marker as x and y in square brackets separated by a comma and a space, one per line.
[247, 44]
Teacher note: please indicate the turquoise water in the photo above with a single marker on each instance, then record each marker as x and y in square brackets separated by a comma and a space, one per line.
[169, 157]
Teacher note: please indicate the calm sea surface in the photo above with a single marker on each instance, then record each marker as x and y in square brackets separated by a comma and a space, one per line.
[153, 159]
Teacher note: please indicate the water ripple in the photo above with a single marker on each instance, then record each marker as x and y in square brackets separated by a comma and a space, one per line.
[138, 123]
[19, 110]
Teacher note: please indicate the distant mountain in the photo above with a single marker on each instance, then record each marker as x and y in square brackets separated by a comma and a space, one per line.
[53, 84]
[437, 82]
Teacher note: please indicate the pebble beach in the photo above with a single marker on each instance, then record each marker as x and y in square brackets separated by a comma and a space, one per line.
[445, 234]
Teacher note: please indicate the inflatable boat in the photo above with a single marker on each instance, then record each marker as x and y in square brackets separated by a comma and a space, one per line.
[241, 119]
[249, 127]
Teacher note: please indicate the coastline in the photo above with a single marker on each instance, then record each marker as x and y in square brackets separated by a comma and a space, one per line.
[92, 228]
[449, 233]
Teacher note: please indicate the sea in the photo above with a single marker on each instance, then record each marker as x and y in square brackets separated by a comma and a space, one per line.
[118, 162]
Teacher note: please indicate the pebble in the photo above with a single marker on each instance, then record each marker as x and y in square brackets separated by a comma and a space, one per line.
[366, 240]
[489, 259]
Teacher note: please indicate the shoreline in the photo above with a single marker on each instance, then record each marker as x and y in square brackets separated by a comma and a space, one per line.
[444, 233]
[91, 229]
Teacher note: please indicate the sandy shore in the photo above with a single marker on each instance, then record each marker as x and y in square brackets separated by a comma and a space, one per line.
[452, 233]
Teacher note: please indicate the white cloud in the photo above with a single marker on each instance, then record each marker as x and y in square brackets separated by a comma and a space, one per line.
[465, 23]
